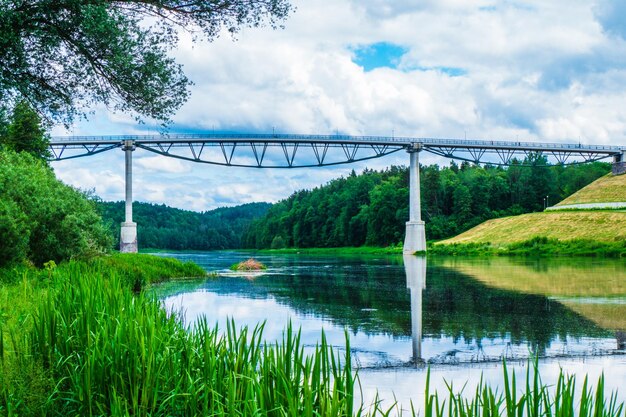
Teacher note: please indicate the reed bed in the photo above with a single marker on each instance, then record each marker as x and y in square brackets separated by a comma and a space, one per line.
[106, 351]
[90, 346]
[532, 399]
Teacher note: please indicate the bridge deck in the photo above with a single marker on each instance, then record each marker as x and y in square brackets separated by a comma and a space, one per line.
[259, 150]
[336, 139]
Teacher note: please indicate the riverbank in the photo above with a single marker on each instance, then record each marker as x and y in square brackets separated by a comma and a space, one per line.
[534, 247]
[81, 338]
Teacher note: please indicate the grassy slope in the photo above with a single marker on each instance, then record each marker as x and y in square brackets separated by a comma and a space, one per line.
[596, 226]
[607, 189]
[606, 226]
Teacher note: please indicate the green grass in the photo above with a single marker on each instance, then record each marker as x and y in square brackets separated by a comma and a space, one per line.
[93, 347]
[536, 247]
[600, 226]
[607, 189]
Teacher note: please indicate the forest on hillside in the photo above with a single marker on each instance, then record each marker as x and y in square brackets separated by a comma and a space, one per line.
[163, 227]
[372, 208]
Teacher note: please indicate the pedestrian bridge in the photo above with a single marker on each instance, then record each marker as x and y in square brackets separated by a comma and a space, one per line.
[298, 151]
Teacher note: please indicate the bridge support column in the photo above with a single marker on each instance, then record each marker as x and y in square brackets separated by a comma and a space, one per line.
[619, 163]
[128, 232]
[415, 236]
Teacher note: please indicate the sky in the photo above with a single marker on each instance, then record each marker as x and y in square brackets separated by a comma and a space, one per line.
[546, 71]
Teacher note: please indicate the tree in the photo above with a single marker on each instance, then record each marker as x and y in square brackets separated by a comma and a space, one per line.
[65, 55]
[4, 124]
[462, 203]
[278, 242]
[24, 132]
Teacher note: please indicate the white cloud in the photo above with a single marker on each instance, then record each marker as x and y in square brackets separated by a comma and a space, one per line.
[160, 164]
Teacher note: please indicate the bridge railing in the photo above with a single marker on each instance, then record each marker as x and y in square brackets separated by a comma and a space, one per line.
[334, 139]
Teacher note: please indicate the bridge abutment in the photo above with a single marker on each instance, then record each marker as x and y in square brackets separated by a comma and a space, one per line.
[415, 235]
[619, 163]
[128, 231]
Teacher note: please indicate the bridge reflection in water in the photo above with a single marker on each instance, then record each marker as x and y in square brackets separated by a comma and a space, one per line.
[401, 314]
[415, 269]
[595, 297]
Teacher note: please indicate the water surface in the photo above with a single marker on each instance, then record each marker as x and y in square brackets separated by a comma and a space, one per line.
[460, 317]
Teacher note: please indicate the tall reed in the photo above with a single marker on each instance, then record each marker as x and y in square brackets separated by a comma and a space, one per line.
[113, 352]
[535, 399]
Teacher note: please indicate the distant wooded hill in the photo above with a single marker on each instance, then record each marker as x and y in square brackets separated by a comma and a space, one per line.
[366, 209]
[163, 227]
[372, 208]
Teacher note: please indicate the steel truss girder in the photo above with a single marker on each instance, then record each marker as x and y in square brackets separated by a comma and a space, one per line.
[348, 149]
[58, 151]
[506, 157]
[290, 151]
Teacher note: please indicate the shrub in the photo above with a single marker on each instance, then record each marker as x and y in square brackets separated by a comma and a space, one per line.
[43, 219]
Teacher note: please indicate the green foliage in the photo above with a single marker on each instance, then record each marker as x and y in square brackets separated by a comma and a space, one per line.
[66, 55]
[346, 250]
[138, 270]
[23, 132]
[372, 208]
[162, 227]
[278, 243]
[14, 233]
[42, 218]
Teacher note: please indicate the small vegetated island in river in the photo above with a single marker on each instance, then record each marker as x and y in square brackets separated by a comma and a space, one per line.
[248, 265]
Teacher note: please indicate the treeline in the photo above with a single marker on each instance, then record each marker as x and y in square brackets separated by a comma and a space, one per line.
[372, 208]
[163, 227]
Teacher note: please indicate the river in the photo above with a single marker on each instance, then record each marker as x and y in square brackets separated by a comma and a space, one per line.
[404, 315]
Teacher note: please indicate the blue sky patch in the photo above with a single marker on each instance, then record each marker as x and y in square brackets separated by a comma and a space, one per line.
[449, 71]
[378, 55]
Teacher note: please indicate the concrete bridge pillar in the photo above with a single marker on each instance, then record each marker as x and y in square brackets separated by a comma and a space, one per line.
[619, 163]
[128, 232]
[415, 236]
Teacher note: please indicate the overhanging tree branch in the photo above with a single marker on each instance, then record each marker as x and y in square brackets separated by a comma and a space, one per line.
[64, 55]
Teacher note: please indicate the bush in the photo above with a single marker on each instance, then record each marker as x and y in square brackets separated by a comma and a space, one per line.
[14, 233]
[41, 218]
